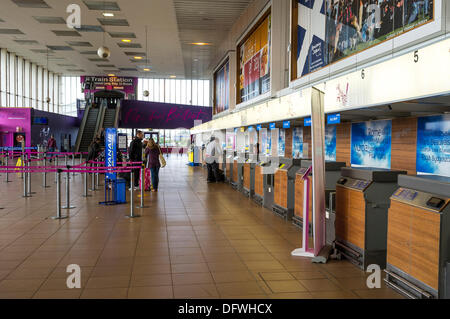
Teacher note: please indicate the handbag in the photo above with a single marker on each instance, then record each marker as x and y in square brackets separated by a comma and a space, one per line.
[162, 160]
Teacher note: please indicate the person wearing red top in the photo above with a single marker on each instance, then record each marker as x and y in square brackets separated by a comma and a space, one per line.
[51, 146]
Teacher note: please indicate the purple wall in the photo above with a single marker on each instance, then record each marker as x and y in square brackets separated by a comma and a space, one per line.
[141, 114]
[61, 126]
[10, 118]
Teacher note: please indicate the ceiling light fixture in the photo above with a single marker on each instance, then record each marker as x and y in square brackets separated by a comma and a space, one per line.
[108, 14]
[138, 58]
[147, 70]
[126, 40]
[111, 75]
[201, 43]
[173, 76]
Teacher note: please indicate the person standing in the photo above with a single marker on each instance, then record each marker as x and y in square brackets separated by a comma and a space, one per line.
[213, 152]
[136, 155]
[152, 152]
[51, 146]
[94, 149]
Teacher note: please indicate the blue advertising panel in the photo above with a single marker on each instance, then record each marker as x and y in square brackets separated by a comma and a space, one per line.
[272, 126]
[286, 124]
[330, 143]
[111, 151]
[297, 142]
[371, 144]
[307, 121]
[269, 144]
[281, 142]
[334, 118]
[258, 127]
[433, 145]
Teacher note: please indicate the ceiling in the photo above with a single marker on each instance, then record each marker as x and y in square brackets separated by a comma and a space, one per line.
[31, 28]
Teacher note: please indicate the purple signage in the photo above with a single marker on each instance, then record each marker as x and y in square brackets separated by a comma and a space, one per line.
[12, 119]
[93, 84]
[141, 114]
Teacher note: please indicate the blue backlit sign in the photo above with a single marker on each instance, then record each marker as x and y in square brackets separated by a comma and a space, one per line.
[334, 118]
[307, 121]
[272, 126]
[111, 151]
[286, 124]
[258, 127]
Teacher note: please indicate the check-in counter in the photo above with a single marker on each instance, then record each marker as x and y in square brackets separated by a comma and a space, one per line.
[238, 170]
[418, 239]
[362, 202]
[229, 162]
[248, 183]
[264, 180]
[284, 187]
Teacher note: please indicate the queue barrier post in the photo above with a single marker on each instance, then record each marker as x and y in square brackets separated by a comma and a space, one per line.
[7, 174]
[29, 178]
[44, 174]
[25, 179]
[58, 196]
[73, 162]
[68, 206]
[85, 184]
[142, 187]
[56, 164]
[96, 178]
[132, 214]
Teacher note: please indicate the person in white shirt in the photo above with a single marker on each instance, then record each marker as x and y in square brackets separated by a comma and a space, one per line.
[213, 152]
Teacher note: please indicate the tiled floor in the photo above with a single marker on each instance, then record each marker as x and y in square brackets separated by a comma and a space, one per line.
[195, 240]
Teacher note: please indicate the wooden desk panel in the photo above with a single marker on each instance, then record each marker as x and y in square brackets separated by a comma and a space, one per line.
[398, 236]
[425, 233]
[280, 188]
[235, 171]
[350, 216]
[259, 185]
[299, 195]
[247, 175]
[228, 170]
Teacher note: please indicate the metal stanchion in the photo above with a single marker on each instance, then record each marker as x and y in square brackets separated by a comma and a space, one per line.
[85, 185]
[7, 174]
[44, 174]
[92, 181]
[68, 190]
[132, 214]
[29, 178]
[25, 180]
[22, 158]
[142, 187]
[73, 162]
[56, 164]
[96, 178]
[58, 196]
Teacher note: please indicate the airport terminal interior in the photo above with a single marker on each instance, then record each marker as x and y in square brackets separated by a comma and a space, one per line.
[226, 149]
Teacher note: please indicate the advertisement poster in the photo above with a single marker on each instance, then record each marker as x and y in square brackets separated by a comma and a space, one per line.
[254, 62]
[231, 141]
[92, 84]
[297, 142]
[269, 144]
[330, 143]
[371, 144]
[281, 142]
[111, 151]
[222, 88]
[433, 145]
[331, 30]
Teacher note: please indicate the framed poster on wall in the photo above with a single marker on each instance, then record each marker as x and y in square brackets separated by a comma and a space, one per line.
[253, 57]
[433, 145]
[325, 32]
[371, 144]
[222, 88]
[297, 142]
[330, 143]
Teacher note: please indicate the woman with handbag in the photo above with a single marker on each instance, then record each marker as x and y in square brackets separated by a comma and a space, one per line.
[153, 154]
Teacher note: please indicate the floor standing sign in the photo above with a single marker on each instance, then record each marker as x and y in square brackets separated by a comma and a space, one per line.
[111, 151]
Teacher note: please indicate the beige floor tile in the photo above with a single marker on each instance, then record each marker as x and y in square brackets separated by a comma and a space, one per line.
[239, 288]
[233, 276]
[195, 291]
[192, 278]
[20, 285]
[281, 286]
[154, 292]
[151, 280]
[58, 294]
[108, 282]
[308, 274]
[268, 276]
[189, 268]
[319, 285]
[106, 293]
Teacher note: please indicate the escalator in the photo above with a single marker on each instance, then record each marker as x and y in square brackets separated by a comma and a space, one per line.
[88, 130]
[110, 118]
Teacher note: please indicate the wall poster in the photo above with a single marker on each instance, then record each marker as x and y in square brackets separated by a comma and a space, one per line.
[330, 143]
[297, 142]
[222, 88]
[433, 145]
[281, 142]
[254, 62]
[371, 144]
[326, 31]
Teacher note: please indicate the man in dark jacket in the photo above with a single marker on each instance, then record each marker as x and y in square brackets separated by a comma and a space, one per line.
[94, 150]
[136, 154]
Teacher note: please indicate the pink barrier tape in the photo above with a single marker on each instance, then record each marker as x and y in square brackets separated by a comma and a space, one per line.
[84, 169]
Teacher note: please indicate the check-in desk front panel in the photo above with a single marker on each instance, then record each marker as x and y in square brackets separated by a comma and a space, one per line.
[246, 181]
[350, 215]
[259, 181]
[418, 241]
[299, 196]
[280, 190]
[235, 171]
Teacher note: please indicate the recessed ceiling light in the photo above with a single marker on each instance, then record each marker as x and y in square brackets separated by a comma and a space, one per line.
[111, 75]
[126, 40]
[201, 43]
[138, 58]
[146, 70]
[173, 76]
[195, 60]
[108, 14]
